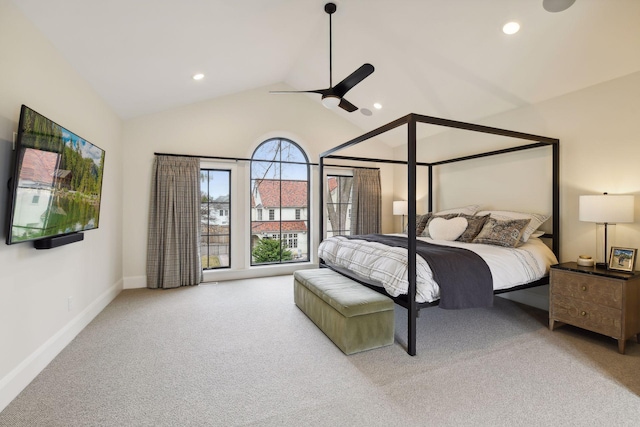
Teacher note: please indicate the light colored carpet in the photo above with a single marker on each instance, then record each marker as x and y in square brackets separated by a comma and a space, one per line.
[240, 353]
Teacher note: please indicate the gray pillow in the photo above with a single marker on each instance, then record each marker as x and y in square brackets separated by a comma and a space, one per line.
[473, 229]
[502, 233]
[421, 223]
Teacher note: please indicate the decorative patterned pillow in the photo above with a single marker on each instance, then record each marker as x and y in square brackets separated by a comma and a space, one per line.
[447, 229]
[536, 220]
[425, 233]
[502, 233]
[421, 223]
[475, 225]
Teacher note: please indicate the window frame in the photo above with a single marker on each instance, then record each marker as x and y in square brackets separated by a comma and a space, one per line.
[210, 208]
[272, 217]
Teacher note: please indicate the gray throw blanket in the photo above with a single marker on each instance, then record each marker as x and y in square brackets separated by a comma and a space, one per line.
[464, 278]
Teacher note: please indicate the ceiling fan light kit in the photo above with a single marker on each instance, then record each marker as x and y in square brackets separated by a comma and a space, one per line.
[554, 6]
[330, 101]
[333, 96]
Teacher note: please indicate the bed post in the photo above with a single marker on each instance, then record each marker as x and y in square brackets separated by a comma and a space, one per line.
[430, 196]
[411, 232]
[556, 199]
[321, 200]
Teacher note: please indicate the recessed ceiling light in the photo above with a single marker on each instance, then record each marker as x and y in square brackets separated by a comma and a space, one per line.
[198, 76]
[377, 106]
[511, 28]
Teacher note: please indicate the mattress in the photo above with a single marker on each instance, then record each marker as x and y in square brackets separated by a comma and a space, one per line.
[386, 266]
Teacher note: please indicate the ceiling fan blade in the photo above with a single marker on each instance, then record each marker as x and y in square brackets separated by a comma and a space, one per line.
[320, 91]
[352, 79]
[347, 106]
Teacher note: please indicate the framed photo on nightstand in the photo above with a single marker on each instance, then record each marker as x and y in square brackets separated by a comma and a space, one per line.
[622, 259]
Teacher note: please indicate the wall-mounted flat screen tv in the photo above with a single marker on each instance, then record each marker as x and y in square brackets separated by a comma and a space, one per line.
[57, 181]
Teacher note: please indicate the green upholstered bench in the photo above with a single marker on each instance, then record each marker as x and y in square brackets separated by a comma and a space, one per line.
[353, 316]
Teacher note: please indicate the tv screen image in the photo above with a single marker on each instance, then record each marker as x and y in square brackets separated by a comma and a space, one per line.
[57, 181]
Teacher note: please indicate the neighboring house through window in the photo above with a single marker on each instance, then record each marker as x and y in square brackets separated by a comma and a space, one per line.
[279, 184]
[215, 219]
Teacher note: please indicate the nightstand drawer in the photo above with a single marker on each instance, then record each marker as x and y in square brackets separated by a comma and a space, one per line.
[587, 288]
[587, 315]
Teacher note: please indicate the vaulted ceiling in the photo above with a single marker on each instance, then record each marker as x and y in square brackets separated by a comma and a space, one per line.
[447, 58]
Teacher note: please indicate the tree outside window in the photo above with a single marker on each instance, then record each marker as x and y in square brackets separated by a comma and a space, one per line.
[279, 184]
[338, 197]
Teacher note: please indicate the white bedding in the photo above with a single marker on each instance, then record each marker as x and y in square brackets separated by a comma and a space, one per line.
[387, 266]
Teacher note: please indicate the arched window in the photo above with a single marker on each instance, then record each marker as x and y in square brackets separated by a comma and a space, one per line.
[279, 203]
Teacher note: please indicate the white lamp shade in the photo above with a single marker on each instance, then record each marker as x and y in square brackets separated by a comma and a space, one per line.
[330, 101]
[606, 208]
[401, 207]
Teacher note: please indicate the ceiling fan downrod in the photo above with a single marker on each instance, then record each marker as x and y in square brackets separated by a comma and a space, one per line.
[330, 8]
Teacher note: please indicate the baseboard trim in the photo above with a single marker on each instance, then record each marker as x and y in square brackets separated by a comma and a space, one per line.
[223, 274]
[20, 377]
[254, 272]
[135, 282]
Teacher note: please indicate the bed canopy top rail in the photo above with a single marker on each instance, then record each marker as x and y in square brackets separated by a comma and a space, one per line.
[441, 162]
[411, 120]
[418, 118]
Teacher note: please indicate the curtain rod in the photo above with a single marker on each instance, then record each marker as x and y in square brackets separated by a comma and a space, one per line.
[203, 157]
[350, 167]
[242, 159]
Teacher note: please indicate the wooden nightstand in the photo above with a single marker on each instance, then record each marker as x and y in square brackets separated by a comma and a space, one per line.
[600, 300]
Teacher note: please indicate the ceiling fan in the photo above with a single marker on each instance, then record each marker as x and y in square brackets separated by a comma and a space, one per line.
[333, 96]
[557, 5]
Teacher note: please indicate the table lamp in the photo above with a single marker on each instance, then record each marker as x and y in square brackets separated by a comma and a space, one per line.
[401, 207]
[605, 210]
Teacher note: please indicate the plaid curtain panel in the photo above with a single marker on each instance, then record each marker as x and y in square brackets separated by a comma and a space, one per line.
[173, 250]
[366, 207]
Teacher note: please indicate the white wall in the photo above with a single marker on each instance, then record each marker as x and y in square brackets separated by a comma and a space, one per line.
[599, 133]
[35, 322]
[231, 126]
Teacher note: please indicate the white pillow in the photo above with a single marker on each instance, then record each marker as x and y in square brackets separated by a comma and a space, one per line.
[468, 210]
[536, 220]
[537, 234]
[447, 229]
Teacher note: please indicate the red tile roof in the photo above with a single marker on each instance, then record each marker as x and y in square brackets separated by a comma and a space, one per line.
[332, 183]
[274, 226]
[294, 193]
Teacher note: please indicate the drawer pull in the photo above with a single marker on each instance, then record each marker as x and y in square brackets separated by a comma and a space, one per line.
[584, 288]
[583, 313]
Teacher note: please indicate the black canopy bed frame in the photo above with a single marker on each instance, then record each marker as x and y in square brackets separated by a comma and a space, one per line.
[411, 121]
